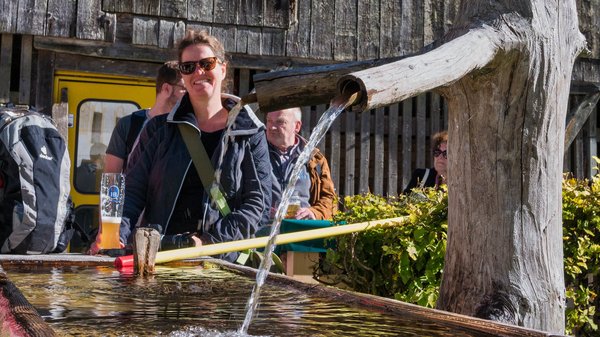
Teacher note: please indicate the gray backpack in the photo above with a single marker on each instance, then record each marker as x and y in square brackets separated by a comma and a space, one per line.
[34, 183]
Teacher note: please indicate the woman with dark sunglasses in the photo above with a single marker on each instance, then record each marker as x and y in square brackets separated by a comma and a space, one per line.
[436, 175]
[164, 180]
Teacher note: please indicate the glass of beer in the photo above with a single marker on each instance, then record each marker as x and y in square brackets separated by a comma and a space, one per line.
[293, 207]
[112, 196]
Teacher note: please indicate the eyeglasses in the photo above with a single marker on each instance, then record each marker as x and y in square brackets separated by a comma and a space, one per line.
[206, 64]
[437, 153]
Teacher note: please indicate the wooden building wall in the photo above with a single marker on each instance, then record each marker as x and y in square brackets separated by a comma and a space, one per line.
[379, 149]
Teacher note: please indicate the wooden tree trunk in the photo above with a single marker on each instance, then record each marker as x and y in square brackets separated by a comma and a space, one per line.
[504, 258]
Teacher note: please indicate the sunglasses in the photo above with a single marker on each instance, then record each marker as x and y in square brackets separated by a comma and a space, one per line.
[206, 64]
[437, 153]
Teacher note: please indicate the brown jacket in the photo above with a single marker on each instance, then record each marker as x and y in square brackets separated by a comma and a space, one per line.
[322, 191]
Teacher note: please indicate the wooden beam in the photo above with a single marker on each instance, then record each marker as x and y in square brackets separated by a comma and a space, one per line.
[5, 66]
[25, 75]
[125, 51]
[579, 116]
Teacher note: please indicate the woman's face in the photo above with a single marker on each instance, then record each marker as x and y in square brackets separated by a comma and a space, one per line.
[440, 162]
[202, 83]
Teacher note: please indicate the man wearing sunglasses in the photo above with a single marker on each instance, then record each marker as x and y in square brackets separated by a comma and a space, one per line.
[169, 90]
[436, 175]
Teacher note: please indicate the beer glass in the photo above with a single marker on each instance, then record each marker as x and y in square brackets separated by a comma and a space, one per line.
[112, 196]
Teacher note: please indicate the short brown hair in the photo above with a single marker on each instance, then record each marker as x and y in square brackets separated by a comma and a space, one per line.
[167, 73]
[193, 37]
[439, 138]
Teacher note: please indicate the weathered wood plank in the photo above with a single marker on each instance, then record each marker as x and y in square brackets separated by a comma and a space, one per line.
[368, 33]
[306, 126]
[434, 25]
[589, 24]
[62, 18]
[579, 116]
[225, 11]
[78, 62]
[276, 13]
[322, 33]
[31, 16]
[250, 13]
[44, 77]
[346, 18]
[8, 19]
[406, 141]
[272, 42]
[350, 138]
[365, 151]
[91, 21]
[200, 10]
[145, 31]
[25, 71]
[421, 131]
[225, 34]
[146, 7]
[200, 27]
[321, 108]
[333, 156]
[390, 28]
[173, 9]
[244, 82]
[298, 36]
[5, 66]
[592, 143]
[170, 32]
[411, 27]
[118, 6]
[578, 145]
[379, 152]
[248, 40]
[435, 112]
[392, 152]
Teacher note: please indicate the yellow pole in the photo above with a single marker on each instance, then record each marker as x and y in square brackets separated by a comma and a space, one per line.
[236, 246]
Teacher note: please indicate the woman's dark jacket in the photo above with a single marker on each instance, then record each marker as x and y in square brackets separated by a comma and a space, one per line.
[161, 160]
[417, 179]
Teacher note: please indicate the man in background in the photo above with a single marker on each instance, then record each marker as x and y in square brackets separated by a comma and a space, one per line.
[169, 89]
[314, 188]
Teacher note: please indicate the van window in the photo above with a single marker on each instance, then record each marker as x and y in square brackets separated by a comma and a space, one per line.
[96, 120]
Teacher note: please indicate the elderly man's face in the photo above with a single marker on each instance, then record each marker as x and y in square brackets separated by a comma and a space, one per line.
[282, 127]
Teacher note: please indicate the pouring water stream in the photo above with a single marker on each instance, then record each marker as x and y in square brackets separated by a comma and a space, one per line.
[337, 105]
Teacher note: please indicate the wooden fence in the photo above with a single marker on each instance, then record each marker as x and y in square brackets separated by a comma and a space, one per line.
[375, 151]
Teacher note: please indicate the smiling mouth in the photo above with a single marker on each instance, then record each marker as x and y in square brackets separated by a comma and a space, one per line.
[202, 81]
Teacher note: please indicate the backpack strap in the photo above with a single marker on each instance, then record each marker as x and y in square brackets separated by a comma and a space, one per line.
[203, 165]
[137, 122]
[424, 179]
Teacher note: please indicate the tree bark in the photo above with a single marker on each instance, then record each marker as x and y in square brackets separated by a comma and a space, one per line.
[506, 81]
[504, 258]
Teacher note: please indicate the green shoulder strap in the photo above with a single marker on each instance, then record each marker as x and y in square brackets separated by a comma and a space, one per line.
[203, 166]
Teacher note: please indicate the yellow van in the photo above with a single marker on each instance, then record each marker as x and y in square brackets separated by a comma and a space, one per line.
[95, 104]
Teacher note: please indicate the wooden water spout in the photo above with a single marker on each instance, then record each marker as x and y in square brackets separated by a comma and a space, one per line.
[304, 86]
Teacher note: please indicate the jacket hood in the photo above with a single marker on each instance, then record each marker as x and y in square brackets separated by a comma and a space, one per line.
[245, 123]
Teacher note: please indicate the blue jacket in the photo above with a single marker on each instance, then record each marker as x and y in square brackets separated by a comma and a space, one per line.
[160, 164]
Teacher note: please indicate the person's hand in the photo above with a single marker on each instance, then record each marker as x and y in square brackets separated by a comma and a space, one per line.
[197, 241]
[305, 213]
[95, 247]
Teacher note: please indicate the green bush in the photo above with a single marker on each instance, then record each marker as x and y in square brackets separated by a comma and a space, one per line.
[581, 237]
[405, 262]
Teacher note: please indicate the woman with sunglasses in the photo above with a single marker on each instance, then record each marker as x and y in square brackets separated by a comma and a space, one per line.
[436, 175]
[164, 180]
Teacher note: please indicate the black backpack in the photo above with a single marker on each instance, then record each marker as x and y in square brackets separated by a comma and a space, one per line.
[34, 184]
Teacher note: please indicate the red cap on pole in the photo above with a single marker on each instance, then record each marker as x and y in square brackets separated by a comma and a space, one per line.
[124, 262]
